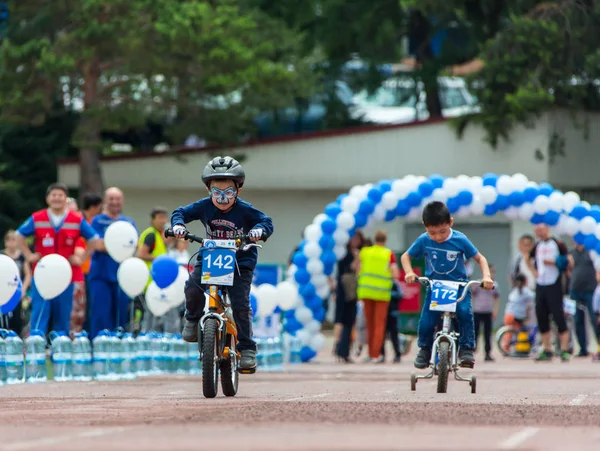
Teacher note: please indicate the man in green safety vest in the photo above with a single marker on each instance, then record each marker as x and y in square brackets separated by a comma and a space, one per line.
[376, 270]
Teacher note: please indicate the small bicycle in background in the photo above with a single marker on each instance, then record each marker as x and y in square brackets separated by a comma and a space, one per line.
[444, 353]
[217, 331]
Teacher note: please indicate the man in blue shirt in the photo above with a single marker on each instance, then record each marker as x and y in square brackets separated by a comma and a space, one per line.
[445, 251]
[110, 305]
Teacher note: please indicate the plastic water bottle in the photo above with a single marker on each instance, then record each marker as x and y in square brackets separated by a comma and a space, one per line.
[295, 346]
[181, 365]
[14, 358]
[62, 356]
[82, 357]
[100, 356]
[3, 375]
[195, 364]
[260, 353]
[35, 357]
[115, 357]
[157, 353]
[130, 356]
[143, 354]
[277, 364]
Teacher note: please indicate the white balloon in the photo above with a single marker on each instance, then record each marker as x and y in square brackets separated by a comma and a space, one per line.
[379, 213]
[489, 194]
[356, 191]
[512, 212]
[585, 204]
[597, 232]
[318, 280]
[176, 291]
[571, 226]
[313, 327]
[303, 336]
[439, 195]
[541, 205]
[345, 220]
[464, 182]
[317, 342]
[287, 296]
[414, 212]
[323, 291]
[291, 271]
[400, 188]
[303, 315]
[477, 207]
[526, 211]
[341, 237]
[318, 220]
[340, 252]
[312, 249]
[504, 185]
[411, 181]
[531, 184]
[350, 204]
[587, 225]
[451, 187]
[312, 232]
[133, 275]
[52, 276]
[9, 278]
[463, 211]
[157, 300]
[476, 185]
[389, 200]
[121, 240]
[266, 299]
[561, 227]
[570, 199]
[519, 182]
[557, 202]
[314, 266]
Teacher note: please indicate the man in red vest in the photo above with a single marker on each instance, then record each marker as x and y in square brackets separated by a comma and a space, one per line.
[56, 230]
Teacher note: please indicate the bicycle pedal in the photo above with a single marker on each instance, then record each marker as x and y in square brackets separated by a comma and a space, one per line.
[247, 370]
[467, 364]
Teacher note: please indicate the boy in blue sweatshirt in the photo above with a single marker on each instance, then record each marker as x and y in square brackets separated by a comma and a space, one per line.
[224, 216]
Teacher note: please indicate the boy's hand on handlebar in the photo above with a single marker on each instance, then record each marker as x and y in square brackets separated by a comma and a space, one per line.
[487, 283]
[410, 277]
[255, 234]
[179, 231]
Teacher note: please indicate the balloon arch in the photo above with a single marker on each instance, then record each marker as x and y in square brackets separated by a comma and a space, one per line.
[301, 295]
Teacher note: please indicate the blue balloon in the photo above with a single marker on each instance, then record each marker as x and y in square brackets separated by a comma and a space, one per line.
[302, 276]
[464, 198]
[326, 242]
[530, 194]
[551, 218]
[537, 219]
[598, 248]
[516, 198]
[289, 314]
[375, 195]
[301, 245]
[292, 325]
[314, 303]
[328, 258]
[490, 179]
[402, 208]
[333, 210]
[590, 242]
[490, 210]
[579, 212]
[502, 202]
[384, 186]
[453, 205]
[13, 301]
[300, 260]
[595, 213]
[436, 180]
[329, 267]
[390, 216]
[253, 304]
[413, 199]
[340, 198]
[546, 189]
[579, 238]
[164, 271]
[328, 226]
[307, 354]
[426, 188]
[360, 220]
[366, 207]
[319, 314]
[307, 291]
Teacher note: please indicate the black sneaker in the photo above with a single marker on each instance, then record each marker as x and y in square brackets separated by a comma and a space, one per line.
[466, 358]
[489, 358]
[190, 331]
[423, 358]
[397, 358]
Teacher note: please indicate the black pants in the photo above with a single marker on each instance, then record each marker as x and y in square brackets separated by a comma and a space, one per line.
[239, 294]
[486, 320]
[14, 319]
[348, 318]
[391, 331]
[549, 302]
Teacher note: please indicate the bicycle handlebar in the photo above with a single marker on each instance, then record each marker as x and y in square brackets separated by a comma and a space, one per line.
[196, 239]
[425, 281]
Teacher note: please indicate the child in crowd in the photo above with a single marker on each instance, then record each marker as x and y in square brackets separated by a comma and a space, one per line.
[519, 306]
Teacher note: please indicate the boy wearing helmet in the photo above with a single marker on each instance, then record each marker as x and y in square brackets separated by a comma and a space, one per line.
[224, 216]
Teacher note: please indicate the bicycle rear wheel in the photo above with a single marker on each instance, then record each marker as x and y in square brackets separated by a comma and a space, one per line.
[229, 374]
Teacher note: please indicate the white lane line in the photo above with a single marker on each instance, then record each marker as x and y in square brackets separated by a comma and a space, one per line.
[577, 400]
[301, 398]
[516, 440]
[42, 442]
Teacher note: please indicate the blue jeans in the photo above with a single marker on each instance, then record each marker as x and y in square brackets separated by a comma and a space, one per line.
[464, 315]
[583, 298]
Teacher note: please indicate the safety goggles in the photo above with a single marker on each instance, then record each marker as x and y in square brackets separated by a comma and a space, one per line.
[223, 196]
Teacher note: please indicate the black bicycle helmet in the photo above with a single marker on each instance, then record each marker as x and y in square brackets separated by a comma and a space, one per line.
[220, 168]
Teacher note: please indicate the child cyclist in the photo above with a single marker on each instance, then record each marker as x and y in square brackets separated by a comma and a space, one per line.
[224, 216]
[445, 251]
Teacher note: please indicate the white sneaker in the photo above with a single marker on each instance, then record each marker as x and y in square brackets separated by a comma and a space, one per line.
[379, 359]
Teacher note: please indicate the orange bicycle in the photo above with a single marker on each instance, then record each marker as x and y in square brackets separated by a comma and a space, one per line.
[217, 331]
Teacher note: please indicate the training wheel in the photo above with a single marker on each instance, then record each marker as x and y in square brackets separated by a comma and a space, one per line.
[473, 384]
[413, 382]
